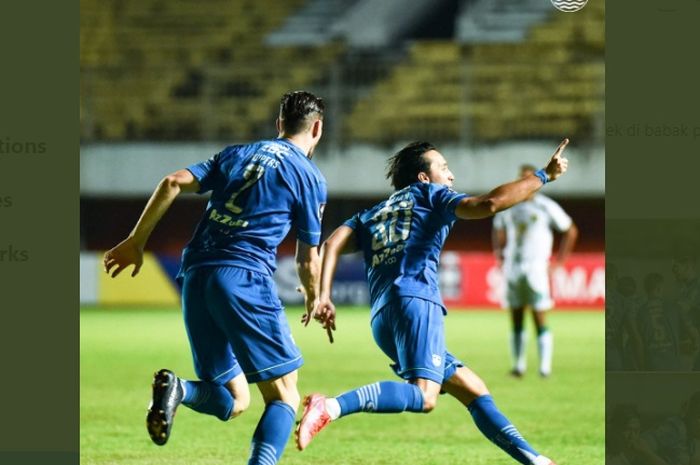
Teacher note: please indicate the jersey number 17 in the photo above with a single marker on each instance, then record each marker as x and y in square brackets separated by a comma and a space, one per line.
[253, 172]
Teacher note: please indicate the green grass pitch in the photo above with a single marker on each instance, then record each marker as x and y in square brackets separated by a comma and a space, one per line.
[562, 417]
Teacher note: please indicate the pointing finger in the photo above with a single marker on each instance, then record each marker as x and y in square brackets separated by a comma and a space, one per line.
[561, 148]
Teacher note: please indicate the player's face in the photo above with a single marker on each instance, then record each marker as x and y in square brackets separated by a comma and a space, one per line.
[439, 172]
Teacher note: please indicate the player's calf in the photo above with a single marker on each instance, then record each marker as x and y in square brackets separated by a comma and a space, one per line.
[213, 399]
[429, 404]
[467, 387]
[381, 397]
[271, 435]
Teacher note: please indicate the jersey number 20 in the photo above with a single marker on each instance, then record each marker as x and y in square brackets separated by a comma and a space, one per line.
[392, 224]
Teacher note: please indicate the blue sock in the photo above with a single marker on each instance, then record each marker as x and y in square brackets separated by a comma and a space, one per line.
[209, 398]
[272, 434]
[383, 397]
[496, 427]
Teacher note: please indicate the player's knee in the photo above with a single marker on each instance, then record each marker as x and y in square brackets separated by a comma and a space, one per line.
[289, 394]
[240, 404]
[289, 397]
[238, 389]
[282, 389]
[477, 387]
[430, 391]
[470, 383]
[429, 402]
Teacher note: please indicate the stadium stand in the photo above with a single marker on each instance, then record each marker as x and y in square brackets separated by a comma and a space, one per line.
[484, 21]
[214, 70]
[312, 24]
[173, 70]
[550, 83]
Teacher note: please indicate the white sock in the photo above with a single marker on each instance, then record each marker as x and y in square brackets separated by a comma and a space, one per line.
[333, 408]
[541, 460]
[182, 385]
[545, 343]
[517, 350]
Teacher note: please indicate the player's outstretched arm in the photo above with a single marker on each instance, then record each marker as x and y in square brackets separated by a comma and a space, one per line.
[507, 195]
[130, 250]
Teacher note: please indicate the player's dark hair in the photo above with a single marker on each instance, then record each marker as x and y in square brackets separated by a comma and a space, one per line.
[527, 167]
[298, 110]
[403, 167]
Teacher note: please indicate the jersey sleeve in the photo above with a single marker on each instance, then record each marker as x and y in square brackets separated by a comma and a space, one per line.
[558, 219]
[444, 201]
[308, 210]
[206, 173]
[353, 222]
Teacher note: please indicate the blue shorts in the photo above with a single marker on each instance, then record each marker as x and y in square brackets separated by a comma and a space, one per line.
[236, 324]
[411, 332]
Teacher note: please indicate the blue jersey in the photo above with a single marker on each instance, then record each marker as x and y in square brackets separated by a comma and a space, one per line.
[258, 190]
[401, 239]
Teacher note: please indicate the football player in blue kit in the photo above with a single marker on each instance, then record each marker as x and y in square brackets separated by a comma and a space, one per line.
[235, 322]
[401, 239]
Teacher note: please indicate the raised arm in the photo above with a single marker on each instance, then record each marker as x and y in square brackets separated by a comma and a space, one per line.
[507, 195]
[130, 250]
